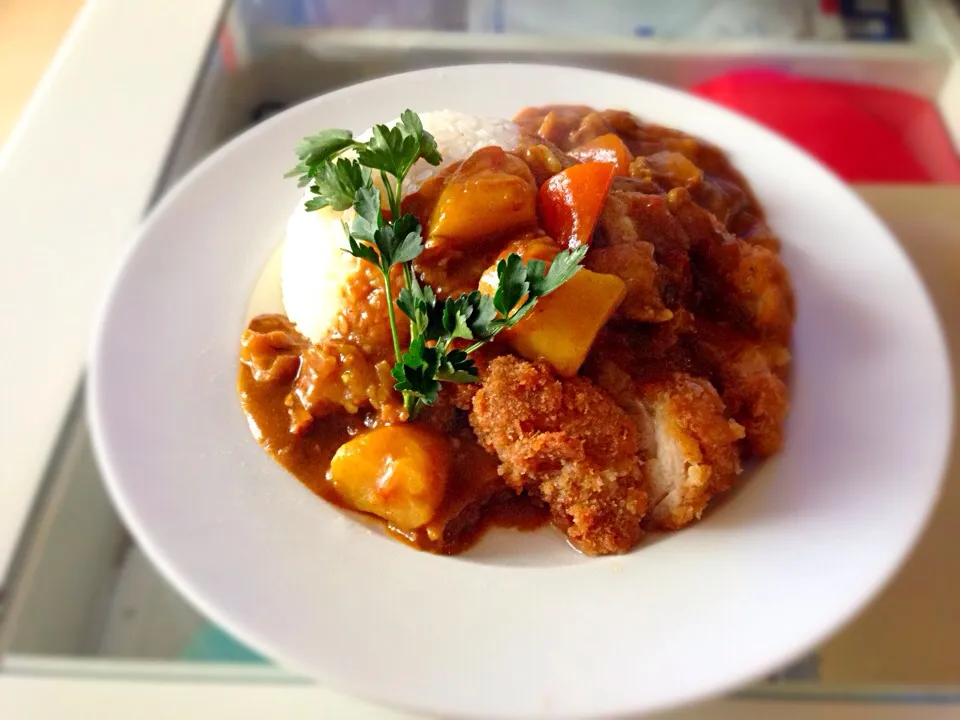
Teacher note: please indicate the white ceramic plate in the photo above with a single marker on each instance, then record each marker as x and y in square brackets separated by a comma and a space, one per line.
[521, 626]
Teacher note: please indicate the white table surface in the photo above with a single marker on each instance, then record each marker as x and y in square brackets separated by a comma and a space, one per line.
[36, 699]
[75, 176]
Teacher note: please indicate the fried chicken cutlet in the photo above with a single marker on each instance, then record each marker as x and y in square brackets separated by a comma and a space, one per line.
[568, 443]
[688, 444]
[750, 374]
[693, 456]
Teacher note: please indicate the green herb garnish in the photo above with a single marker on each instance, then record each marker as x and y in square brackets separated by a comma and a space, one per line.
[474, 318]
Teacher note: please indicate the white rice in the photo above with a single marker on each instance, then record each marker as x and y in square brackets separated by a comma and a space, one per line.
[314, 268]
[458, 136]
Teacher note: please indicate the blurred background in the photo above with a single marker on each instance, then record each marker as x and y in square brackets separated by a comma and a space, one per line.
[871, 87]
[29, 35]
[755, 43]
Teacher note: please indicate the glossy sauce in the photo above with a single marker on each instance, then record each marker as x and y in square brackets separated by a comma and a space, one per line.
[473, 213]
[476, 498]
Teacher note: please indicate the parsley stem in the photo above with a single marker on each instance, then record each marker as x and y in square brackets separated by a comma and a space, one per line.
[411, 404]
[398, 197]
[391, 314]
[395, 211]
[391, 196]
[408, 275]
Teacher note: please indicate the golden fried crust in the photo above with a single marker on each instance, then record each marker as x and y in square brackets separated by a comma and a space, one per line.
[569, 443]
[696, 453]
[750, 373]
[761, 281]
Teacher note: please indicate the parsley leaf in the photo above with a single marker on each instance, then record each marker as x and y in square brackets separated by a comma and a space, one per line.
[428, 145]
[409, 239]
[423, 367]
[456, 367]
[425, 313]
[420, 305]
[362, 250]
[407, 302]
[512, 283]
[399, 242]
[317, 149]
[389, 150]
[564, 266]
[482, 320]
[416, 371]
[368, 219]
[471, 316]
[315, 203]
[395, 149]
[335, 183]
[456, 318]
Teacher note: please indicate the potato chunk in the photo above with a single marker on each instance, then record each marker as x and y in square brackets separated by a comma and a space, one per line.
[491, 194]
[562, 326]
[397, 472]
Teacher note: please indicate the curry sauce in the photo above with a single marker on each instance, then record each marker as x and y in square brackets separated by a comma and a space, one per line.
[624, 402]
[476, 497]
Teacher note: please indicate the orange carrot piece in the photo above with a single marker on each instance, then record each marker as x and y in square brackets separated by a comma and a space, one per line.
[569, 203]
[606, 148]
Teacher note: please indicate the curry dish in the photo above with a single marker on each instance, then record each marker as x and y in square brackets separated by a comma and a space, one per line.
[624, 401]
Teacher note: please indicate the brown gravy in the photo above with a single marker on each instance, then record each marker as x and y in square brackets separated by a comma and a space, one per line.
[700, 338]
[476, 498]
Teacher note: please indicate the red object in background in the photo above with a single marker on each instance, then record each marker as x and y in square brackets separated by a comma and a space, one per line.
[863, 132]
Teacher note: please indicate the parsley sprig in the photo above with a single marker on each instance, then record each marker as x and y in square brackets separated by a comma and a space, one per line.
[470, 320]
